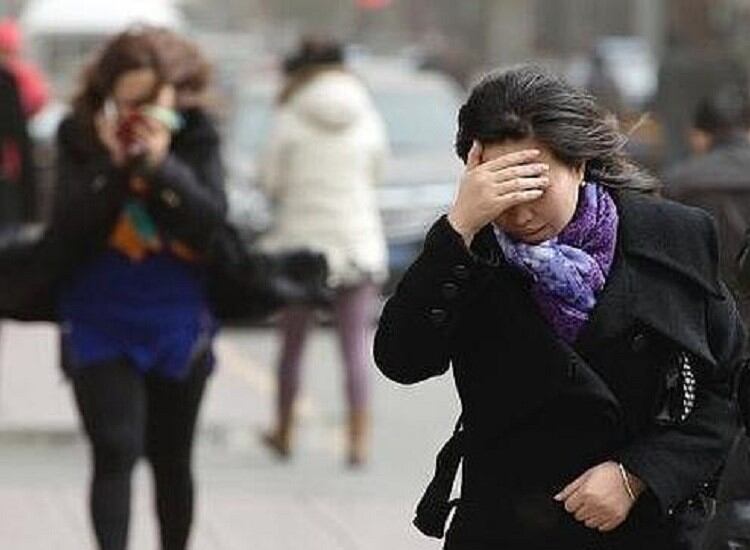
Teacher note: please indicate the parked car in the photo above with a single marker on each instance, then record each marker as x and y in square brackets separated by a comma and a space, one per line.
[419, 109]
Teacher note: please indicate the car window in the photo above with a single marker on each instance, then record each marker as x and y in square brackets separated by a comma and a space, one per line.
[415, 120]
[251, 124]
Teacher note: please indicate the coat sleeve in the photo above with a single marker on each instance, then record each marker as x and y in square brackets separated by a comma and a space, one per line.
[413, 340]
[675, 461]
[188, 199]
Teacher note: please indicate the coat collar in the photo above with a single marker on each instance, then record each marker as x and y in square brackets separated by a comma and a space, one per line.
[672, 236]
[665, 253]
[656, 230]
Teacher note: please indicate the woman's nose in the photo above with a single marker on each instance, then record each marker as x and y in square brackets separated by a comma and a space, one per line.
[520, 216]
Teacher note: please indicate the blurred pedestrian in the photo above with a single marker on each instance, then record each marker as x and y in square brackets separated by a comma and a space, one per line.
[717, 178]
[32, 85]
[16, 165]
[602, 85]
[324, 157]
[690, 68]
[590, 337]
[139, 197]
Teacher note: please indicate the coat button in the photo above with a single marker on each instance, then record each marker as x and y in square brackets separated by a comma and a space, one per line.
[571, 370]
[639, 342]
[170, 198]
[99, 182]
[438, 316]
[450, 290]
[461, 272]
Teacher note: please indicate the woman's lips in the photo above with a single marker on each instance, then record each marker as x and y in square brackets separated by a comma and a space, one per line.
[531, 233]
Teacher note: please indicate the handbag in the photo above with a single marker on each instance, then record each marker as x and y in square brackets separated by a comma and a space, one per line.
[243, 283]
[32, 265]
[247, 284]
[677, 397]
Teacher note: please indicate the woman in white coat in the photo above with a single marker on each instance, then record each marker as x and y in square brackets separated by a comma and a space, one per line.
[324, 157]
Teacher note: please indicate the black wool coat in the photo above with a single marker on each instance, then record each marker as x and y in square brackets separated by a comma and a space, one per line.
[537, 413]
[16, 164]
[187, 202]
[187, 199]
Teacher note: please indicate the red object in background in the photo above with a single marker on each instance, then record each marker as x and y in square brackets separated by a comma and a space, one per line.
[373, 4]
[10, 161]
[10, 36]
[32, 87]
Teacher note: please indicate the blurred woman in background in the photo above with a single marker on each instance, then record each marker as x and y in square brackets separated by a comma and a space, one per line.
[139, 195]
[325, 156]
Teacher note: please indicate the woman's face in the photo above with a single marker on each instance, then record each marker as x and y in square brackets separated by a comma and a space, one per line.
[133, 89]
[545, 217]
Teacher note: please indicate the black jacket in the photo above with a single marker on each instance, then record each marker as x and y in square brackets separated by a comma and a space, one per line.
[537, 413]
[16, 163]
[187, 199]
[729, 529]
[187, 202]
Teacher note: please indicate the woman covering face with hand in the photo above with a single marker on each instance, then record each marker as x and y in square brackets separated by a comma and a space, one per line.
[591, 342]
[139, 198]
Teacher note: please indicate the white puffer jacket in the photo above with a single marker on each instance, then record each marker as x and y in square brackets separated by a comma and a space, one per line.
[325, 155]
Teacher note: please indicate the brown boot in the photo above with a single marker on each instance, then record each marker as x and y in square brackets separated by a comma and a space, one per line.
[359, 433]
[279, 440]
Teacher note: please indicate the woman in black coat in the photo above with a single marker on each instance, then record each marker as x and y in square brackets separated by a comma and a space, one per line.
[590, 339]
[138, 200]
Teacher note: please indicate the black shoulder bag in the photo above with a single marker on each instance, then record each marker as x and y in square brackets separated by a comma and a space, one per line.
[435, 505]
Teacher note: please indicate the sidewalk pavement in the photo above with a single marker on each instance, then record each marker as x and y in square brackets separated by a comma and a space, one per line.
[246, 498]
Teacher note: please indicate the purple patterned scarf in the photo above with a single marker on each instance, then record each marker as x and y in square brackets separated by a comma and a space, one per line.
[570, 270]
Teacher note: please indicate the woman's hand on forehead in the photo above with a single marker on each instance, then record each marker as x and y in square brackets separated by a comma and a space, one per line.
[524, 156]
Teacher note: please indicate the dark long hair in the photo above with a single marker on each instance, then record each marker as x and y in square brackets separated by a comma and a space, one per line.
[174, 59]
[530, 102]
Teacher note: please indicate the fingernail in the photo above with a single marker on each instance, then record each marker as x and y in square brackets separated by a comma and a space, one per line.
[558, 497]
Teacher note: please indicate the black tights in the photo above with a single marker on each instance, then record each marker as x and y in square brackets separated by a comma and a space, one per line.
[124, 414]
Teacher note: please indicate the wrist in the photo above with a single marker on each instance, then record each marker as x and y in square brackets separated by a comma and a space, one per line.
[636, 484]
[632, 484]
[466, 232]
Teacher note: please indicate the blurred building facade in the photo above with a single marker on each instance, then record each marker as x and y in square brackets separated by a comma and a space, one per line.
[640, 39]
